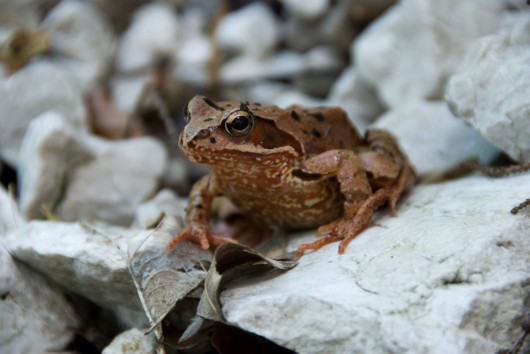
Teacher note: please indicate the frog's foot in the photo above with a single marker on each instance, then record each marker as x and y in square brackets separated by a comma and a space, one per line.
[313, 246]
[201, 235]
[346, 229]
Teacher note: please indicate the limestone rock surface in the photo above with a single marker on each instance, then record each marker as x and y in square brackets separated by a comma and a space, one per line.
[491, 90]
[28, 94]
[433, 138]
[35, 316]
[447, 274]
[410, 51]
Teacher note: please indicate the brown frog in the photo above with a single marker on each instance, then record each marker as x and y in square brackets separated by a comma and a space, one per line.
[291, 168]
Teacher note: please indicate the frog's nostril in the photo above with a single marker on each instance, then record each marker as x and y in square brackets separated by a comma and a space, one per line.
[203, 133]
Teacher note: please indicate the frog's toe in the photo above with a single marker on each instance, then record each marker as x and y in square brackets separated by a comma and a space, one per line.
[327, 229]
[313, 246]
[199, 235]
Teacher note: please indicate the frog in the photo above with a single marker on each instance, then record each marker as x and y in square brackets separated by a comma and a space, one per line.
[289, 168]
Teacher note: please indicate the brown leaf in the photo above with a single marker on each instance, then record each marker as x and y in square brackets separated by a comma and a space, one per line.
[164, 278]
[236, 262]
[22, 44]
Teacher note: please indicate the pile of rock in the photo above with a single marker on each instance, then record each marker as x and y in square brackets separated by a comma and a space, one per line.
[448, 273]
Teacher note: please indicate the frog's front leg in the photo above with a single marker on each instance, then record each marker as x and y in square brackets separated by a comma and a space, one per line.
[198, 213]
[359, 201]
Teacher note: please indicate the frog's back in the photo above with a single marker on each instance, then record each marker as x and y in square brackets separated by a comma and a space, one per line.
[320, 128]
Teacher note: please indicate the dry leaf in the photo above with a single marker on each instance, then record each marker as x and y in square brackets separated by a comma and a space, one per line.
[236, 262]
[164, 278]
[18, 46]
[170, 284]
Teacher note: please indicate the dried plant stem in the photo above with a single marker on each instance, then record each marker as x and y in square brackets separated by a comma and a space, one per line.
[501, 171]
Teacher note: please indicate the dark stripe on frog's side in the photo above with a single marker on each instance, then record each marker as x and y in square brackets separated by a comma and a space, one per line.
[295, 116]
[306, 176]
[207, 120]
[212, 104]
[318, 116]
[315, 133]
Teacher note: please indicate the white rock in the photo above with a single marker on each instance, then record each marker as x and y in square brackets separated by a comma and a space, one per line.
[127, 91]
[38, 88]
[251, 31]
[283, 64]
[83, 177]
[164, 203]
[412, 49]
[491, 90]
[306, 9]
[248, 68]
[282, 95]
[110, 187]
[10, 217]
[153, 32]
[434, 139]
[193, 57]
[194, 54]
[48, 154]
[90, 260]
[447, 274]
[98, 262]
[133, 341]
[177, 175]
[356, 97]
[83, 40]
[35, 317]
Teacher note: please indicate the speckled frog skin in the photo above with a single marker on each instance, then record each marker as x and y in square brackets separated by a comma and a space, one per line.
[291, 168]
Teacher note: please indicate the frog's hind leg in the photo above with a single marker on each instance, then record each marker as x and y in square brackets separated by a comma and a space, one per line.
[359, 202]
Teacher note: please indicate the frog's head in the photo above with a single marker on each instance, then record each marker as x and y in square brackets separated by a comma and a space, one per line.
[217, 131]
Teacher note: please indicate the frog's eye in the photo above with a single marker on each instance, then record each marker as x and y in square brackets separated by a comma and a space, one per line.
[239, 123]
[187, 113]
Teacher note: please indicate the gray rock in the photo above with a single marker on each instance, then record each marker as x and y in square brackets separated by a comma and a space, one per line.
[109, 188]
[10, 217]
[35, 316]
[111, 266]
[280, 94]
[491, 90]
[434, 139]
[356, 97]
[411, 50]
[195, 52]
[283, 64]
[153, 33]
[38, 88]
[82, 40]
[132, 341]
[90, 260]
[49, 153]
[250, 31]
[447, 274]
[82, 177]
[164, 203]
[306, 9]
[247, 68]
